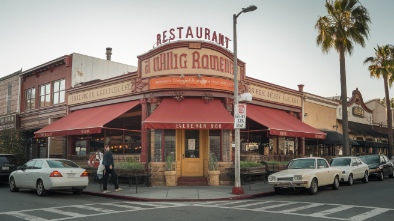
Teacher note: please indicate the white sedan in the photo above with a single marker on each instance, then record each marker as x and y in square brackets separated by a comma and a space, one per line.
[352, 169]
[306, 173]
[46, 174]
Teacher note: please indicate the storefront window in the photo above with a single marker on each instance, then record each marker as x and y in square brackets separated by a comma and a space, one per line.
[164, 144]
[123, 142]
[214, 143]
[80, 147]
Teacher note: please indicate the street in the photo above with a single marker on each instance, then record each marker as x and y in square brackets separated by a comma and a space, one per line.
[371, 201]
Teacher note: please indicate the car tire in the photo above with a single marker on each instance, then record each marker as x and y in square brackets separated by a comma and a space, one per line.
[41, 191]
[381, 176]
[77, 192]
[350, 180]
[365, 178]
[335, 184]
[392, 174]
[13, 187]
[314, 187]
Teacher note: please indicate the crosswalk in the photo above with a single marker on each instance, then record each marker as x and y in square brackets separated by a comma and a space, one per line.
[86, 210]
[307, 209]
[324, 211]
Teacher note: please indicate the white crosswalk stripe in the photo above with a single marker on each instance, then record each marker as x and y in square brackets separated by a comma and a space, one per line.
[324, 210]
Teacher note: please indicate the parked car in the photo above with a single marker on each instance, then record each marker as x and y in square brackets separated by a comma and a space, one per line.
[379, 166]
[8, 163]
[306, 173]
[352, 169]
[47, 174]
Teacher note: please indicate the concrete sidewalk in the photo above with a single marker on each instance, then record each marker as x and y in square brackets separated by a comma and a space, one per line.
[181, 193]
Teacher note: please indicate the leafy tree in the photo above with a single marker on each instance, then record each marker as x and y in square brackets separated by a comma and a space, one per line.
[346, 24]
[11, 142]
[383, 66]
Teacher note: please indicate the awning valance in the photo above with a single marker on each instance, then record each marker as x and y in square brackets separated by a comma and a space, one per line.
[365, 130]
[190, 113]
[281, 123]
[86, 121]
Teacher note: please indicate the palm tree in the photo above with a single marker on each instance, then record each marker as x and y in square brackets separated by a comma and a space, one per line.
[382, 66]
[346, 24]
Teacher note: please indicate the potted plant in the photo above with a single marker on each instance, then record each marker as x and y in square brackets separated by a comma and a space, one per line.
[170, 172]
[213, 172]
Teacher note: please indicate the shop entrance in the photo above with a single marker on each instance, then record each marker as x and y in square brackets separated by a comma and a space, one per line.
[192, 153]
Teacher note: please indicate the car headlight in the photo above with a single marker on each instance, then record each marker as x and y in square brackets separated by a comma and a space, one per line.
[271, 178]
[297, 177]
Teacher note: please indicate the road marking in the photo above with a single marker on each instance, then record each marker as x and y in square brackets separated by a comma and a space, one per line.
[275, 206]
[331, 211]
[369, 214]
[26, 216]
[65, 213]
[302, 208]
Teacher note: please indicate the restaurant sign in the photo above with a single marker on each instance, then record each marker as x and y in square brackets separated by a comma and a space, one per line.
[191, 82]
[274, 95]
[114, 90]
[187, 61]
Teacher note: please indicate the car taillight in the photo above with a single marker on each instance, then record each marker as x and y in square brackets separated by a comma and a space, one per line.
[85, 173]
[55, 173]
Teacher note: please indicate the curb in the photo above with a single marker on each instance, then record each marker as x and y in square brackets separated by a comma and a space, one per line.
[132, 198]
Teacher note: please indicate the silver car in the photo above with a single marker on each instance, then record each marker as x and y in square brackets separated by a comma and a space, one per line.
[46, 174]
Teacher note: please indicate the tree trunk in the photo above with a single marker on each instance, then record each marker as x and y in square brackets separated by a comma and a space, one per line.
[345, 123]
[389, 119]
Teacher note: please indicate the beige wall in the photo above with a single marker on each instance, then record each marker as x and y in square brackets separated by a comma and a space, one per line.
[320, 115]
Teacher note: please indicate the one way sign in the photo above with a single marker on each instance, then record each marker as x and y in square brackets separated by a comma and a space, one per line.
[240, 116]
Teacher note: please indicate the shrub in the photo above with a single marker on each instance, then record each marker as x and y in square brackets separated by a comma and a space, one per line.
[246, 164]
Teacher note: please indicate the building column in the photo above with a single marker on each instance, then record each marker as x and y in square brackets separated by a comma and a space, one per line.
[144, 134]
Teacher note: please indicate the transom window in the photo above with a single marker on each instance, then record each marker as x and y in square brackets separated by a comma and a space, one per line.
[45, 95]
[59, 88]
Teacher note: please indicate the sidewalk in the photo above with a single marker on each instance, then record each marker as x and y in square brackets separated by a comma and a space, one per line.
[181, 193]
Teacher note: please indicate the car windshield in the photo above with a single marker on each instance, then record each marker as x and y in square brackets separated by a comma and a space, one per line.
[7, 159]
[341, 162]
[370, 159]
[302, 164]
[61, 164]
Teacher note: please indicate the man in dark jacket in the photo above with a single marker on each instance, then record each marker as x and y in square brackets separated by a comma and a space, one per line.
[108, 162]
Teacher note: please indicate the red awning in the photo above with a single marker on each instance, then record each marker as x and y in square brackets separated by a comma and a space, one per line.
[86, 121]
[190, 113]
[281, 123]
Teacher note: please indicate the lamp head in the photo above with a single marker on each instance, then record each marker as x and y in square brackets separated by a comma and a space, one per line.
[249, 9]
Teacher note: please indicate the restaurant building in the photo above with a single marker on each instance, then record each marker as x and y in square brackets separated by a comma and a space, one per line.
[180, 103]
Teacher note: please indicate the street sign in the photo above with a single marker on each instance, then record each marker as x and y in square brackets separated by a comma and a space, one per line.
[240, 116]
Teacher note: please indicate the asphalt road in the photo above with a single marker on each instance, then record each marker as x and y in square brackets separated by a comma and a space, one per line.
[371, 201]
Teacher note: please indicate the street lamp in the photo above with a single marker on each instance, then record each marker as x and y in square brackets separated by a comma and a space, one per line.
[237, 189]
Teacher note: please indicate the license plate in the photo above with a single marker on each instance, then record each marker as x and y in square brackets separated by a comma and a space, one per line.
[5, 168]
[70, 174]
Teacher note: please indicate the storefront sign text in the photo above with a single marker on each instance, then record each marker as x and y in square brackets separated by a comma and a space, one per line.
[198, 126]
[191, 82]
[186, 61]
[180, 33]
[100, 93]
[274, 96]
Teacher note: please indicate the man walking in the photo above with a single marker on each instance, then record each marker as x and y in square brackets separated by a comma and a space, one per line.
[108, 162]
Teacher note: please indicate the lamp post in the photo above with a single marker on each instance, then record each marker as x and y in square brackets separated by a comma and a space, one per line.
[237, 189]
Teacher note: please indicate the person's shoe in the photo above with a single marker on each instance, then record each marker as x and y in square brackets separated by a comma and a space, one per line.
[119, 189]
[106, 191]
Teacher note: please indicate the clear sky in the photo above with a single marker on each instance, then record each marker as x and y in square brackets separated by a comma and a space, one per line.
[277, 41]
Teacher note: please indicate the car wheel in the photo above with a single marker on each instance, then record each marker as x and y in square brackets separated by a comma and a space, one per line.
[314, 187]
[335, 185]
[392, 174]
[77, 192]
[41, 189]
[365, 178]
[350, 180]
[13, 187]
[381, 176]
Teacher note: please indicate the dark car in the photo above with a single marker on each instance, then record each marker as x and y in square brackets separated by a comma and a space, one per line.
[379, 165]
[8, 163]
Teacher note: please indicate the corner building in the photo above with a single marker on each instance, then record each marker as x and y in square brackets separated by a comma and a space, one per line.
[180, 103]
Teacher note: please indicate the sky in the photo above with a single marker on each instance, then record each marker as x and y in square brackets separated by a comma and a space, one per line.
[277, 41]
